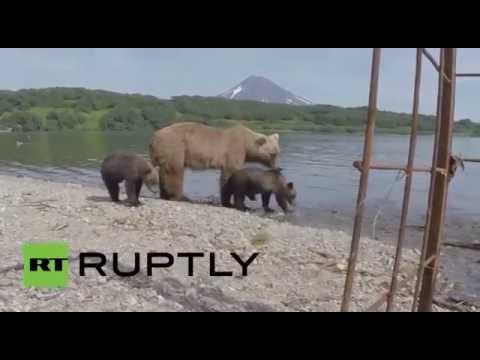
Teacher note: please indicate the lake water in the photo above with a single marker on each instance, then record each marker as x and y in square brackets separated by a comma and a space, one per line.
[320, 165]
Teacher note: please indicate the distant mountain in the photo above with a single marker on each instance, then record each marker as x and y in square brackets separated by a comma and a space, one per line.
[260, 89]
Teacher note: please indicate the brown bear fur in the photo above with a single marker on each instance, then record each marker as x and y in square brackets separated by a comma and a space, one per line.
[250, 182]
[198, 147]
[131, 168]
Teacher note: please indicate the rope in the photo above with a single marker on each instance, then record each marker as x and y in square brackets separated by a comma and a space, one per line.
[400, 175]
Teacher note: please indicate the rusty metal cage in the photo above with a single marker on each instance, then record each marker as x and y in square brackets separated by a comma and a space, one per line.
[441, 172]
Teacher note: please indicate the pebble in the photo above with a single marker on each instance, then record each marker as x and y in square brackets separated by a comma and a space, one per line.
[159, 226]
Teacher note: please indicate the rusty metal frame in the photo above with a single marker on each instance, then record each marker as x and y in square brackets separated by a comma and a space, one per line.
[439, 179]
[408, 181]
[440, 190]
[362, 190]
[423, 263]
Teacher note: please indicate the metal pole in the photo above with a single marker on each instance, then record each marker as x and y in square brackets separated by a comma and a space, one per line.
[441, 182]
[433, 174]
[373, 166]
[468, 75]
[432, 60]
[367, 153]
[435, 65]
[408, 182]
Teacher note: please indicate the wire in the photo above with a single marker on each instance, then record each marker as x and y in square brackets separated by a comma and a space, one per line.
[400, 175]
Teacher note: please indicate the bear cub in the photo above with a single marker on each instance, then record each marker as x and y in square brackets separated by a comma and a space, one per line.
[134, 170]
[253, 181]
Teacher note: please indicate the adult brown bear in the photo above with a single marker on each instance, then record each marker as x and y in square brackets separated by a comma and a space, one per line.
[197, 146]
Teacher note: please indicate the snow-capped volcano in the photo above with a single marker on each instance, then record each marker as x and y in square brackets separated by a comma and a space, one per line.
[258, 88]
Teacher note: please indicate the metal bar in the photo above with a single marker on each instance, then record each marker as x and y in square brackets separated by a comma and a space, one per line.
[471, 159]
[408, 183]
[435, 64]
[415, 227]
[384, 296]
[468, 75]
[367, 154]
[440, 190]
[431, 59]
[421, 266]
[358, 165]
[404, 168]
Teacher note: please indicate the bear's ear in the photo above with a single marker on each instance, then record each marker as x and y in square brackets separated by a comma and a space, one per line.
[290, 185]
[261, 141]
[275, 136]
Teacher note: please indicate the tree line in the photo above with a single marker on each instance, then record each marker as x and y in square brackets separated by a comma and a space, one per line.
[56, 109]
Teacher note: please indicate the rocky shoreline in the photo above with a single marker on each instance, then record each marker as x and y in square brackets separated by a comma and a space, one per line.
[298, 268]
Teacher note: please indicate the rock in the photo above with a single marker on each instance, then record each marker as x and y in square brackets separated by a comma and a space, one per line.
[6, 282]
[275, 277]
[132, 301]
[261, 238]
[191, 293]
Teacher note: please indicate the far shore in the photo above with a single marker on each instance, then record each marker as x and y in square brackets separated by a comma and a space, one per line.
[334, 131]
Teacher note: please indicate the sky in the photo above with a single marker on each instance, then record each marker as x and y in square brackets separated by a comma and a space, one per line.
[336, 76]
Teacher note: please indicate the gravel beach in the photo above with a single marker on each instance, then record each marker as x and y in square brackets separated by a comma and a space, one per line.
[298, 268]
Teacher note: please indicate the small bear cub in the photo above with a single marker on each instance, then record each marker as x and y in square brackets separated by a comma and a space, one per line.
[252, 181]
[134, 170]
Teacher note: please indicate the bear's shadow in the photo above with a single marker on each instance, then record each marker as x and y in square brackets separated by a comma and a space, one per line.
[98, 198]
[253, 210]
[209, 201]
[106, 199]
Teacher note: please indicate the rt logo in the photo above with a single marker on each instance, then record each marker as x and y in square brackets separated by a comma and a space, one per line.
[45, 265]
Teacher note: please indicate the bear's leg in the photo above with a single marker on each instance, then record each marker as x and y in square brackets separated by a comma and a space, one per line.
[223, 196]
[240, 201]
[224, 176]
[113, 189]
[266, 202]
[173, 181]
[281, 202]
[226, 195]
[161, 185]
[131, 189]
[139, 188]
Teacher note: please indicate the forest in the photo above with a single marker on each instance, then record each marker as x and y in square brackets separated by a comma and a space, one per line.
[64, 109]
